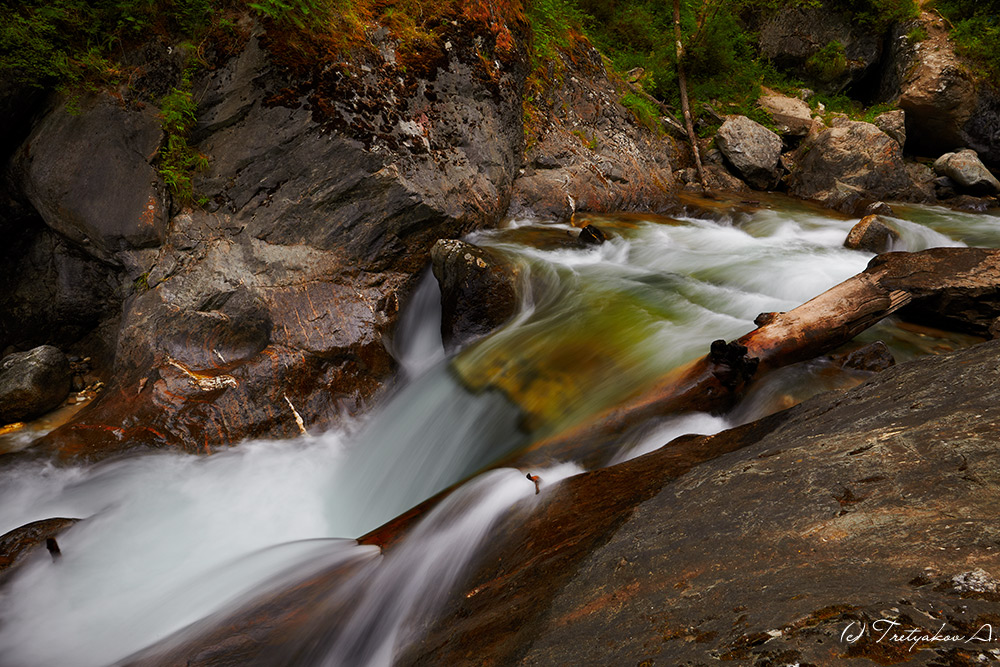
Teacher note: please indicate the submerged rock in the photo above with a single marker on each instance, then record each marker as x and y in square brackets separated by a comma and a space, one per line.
[752, 149]
[873, 357]
[478, 290]
[32, 383]
[871, 234]
[966, 169]
[592, 235]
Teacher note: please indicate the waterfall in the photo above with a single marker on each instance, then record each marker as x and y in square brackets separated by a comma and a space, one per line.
[170, 539]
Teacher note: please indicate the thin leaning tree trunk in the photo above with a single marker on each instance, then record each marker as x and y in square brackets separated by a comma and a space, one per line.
[682, 84]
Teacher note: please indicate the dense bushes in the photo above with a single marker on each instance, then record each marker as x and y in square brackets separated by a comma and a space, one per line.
[976, 31]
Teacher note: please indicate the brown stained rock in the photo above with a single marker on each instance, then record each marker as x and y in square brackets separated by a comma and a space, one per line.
[752, 149]
[873, 504]
[16, 545]
[937, 92]
[592, 235]
[871, 234]
[478, 290]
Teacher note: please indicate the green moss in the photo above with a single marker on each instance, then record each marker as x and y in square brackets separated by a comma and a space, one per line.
[917, 34]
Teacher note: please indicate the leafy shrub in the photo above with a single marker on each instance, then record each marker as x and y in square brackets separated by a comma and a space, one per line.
[178, 160]
[646, 111]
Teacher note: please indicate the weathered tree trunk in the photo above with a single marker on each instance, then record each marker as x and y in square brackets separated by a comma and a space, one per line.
[682, 84]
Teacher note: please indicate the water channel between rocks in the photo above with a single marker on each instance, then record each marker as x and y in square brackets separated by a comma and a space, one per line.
[169, 539]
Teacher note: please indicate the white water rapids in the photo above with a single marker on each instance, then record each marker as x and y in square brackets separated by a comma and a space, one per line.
[169, 539]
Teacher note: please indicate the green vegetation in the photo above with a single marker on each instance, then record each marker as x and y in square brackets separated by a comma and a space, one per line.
[917, 34]
[976, 32]
[828, 63]
[645, 110]
[178, 160]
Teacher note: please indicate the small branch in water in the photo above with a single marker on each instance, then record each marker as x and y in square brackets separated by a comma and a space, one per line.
[53, 548]
[298, 417]
[537, 480]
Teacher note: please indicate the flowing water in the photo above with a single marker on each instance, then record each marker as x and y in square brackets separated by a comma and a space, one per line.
[170, 539]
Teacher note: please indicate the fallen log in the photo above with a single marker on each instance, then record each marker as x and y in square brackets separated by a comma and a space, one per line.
[951, 287]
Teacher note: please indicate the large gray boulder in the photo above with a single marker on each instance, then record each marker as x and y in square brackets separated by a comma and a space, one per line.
[852, 161]
[790, 37]
[32, 383]
[87, 170]
[967, 170]
[752, 149]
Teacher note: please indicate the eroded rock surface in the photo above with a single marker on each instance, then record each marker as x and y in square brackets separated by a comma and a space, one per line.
[871, 234]
[850, 162]
[852, 507]
[966, 170]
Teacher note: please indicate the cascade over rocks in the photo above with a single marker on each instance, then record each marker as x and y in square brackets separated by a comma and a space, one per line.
[32, 383]
[846, 508]
[270, 303]
[588, 152]
[752, 149]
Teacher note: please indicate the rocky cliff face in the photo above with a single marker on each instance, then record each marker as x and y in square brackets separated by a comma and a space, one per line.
[587, 151]
[267, 307]
[326, 189]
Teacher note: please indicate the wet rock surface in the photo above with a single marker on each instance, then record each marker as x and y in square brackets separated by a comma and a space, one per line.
[752, 149]
[18, 544]
[871, 234]
[32, 383]
[478, 290]
[848, 509]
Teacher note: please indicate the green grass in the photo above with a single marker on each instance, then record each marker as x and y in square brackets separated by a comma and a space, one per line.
[646, 111]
